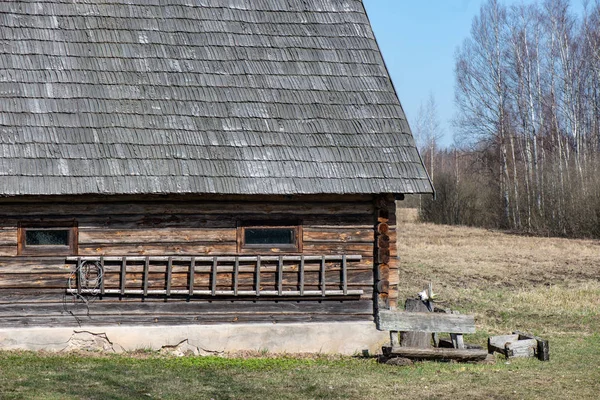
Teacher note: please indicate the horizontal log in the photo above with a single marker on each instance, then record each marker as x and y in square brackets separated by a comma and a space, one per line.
[109, 305]
[95, 198]
[159, 250]
[425, 322]
[164, 235]
[339, 235]
[440, 354]
[363, 249]
[68, 320]
[70, 209]
[8, 236]
[8, 250]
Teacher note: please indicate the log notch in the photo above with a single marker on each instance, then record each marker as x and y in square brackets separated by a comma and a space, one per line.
[385, 252]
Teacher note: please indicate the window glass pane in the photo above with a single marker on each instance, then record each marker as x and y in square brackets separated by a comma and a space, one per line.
[47, 237]
[270, 236]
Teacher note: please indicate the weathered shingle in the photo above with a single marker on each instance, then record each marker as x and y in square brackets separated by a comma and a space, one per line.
[198, 96]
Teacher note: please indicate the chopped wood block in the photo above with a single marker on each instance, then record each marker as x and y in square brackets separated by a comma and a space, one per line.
[519, 344]
[543, 348]
[521, 348]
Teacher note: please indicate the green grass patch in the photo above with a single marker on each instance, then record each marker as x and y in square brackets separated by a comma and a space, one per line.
[27, 375]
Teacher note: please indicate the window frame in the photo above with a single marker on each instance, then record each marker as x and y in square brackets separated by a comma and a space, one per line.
[294, 225]
[47, 250]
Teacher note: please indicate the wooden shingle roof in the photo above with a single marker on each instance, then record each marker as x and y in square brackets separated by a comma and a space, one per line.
[198, 96]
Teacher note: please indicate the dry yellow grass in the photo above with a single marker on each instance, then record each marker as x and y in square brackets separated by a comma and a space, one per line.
[551, 285]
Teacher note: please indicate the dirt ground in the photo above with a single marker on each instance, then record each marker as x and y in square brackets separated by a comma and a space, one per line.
[505, 279]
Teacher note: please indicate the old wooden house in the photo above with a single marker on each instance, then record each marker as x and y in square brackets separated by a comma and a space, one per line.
[216, 171]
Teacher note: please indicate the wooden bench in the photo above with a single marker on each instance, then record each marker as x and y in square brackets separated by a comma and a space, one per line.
[455, 324]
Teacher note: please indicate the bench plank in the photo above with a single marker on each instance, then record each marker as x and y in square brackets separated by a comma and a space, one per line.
[425, 322]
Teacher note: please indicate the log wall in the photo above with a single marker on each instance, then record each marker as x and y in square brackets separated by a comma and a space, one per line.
[33, 289]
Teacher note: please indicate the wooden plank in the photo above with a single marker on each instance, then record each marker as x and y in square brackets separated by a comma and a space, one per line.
[67, 320]
[415, 339]
[78, 276]
[257, 276]
[192, 275]
[349, 257]
[344, 274]
[214, 276]
[280, 275]
[156, 235]
[145, 278]
[169, 276]
[496, 343]
[543, 347]
[75, 210]
[521, 348]
[159, 250]
[195, 306]
[123, 274]
[301, 276]
[457, 340]
[215, 292]
[339, 234]
[102, 280]
[426, 322]
[236, 268]
[439, 354]
[322, 276]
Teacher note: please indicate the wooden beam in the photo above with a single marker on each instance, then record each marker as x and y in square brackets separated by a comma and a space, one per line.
[425, 322]
[291, 293]
[439, 354]
[349, 257]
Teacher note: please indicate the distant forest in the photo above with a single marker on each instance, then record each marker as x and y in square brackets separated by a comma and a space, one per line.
[527, 134]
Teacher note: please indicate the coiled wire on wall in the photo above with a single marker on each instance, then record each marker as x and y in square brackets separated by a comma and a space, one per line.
[88, 277]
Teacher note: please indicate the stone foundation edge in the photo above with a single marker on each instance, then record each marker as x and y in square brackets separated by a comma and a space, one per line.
[349, 338]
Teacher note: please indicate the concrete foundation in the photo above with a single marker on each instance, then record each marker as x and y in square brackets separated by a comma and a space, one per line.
[343, 338]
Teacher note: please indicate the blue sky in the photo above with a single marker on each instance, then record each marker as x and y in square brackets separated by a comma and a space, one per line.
[418, 39]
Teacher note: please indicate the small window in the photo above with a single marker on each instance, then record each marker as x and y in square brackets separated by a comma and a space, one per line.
[47, 239]
[258, 236]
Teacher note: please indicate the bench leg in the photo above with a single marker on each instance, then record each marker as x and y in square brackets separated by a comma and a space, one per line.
[457, 340]
[394, 341]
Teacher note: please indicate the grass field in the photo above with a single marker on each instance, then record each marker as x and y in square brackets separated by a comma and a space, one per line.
[547, 286]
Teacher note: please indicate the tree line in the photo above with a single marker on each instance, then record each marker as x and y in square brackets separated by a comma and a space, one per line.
[527, 140]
